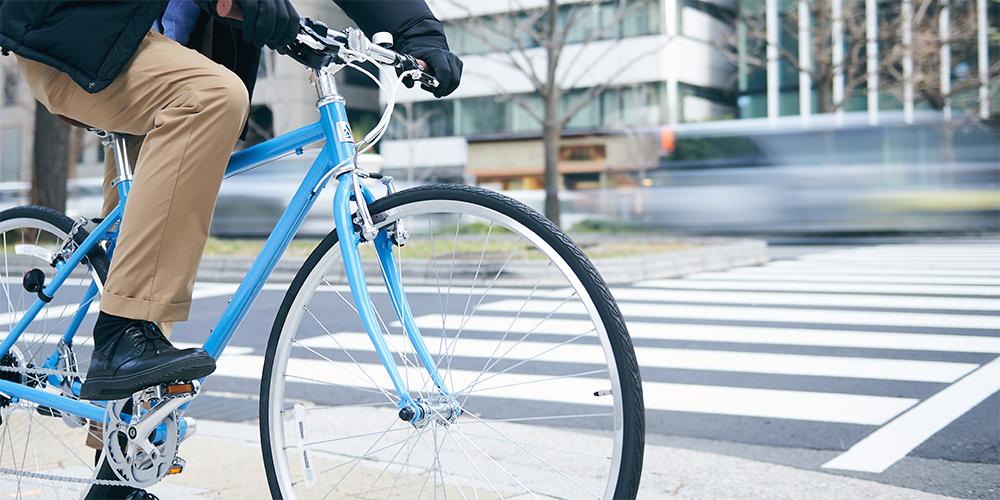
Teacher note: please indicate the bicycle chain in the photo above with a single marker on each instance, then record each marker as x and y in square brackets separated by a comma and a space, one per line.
[39, 371]
[65, 479]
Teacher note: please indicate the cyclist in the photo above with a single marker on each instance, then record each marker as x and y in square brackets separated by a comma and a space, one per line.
[176, 78]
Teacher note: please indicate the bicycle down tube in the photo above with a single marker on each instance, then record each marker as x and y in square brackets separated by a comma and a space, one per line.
[338, 149]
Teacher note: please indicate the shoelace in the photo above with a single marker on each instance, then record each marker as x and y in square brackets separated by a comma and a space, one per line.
[147, 334]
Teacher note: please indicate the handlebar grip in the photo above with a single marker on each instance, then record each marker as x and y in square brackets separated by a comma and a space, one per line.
[229, 9]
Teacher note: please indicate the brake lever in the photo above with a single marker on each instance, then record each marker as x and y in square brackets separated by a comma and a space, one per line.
[409, 63]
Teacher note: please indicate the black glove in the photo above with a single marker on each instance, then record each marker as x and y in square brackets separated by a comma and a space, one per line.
[444, 65]
[269, 22]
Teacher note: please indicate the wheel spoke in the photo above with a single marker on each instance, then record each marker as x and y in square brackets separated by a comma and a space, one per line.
[42, 450]
[520, 393]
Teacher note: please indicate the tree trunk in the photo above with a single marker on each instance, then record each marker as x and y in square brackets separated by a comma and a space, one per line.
[552, 128]
[824, 89]
[552, 132]
[51, 158]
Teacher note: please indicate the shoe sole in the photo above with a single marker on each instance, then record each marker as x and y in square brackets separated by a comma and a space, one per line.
[111, 388]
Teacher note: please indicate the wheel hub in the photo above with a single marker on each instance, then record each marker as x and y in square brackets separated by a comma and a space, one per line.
[442, 410]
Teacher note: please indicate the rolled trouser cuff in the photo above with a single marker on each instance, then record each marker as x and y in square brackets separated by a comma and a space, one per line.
[142, 309]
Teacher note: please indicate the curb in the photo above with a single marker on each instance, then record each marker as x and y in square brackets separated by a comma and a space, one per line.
[716, 254]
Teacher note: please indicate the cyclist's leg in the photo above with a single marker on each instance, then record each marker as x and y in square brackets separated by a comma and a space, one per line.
[133, 143]
[190, 111]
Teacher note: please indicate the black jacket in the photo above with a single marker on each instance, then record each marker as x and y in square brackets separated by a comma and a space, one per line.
[91, 40]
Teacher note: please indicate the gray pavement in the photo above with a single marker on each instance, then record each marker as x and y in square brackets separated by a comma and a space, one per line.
[224, 462]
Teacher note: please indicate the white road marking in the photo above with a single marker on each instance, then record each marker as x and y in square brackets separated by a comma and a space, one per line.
[876, 268]
[686, 359]
[761, 314]
[941, 261]
[835, 276]
[767, 403]
[812, 299]
[887, 445]
[735, 334]
[796, 286]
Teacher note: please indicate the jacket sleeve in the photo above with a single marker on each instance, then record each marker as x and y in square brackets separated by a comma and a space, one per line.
[409, 21]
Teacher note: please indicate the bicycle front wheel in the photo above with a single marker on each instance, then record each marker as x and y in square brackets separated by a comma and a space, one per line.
[524, 332]
[42, 451]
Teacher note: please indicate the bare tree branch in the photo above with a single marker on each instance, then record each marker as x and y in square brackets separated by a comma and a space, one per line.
[542, 34]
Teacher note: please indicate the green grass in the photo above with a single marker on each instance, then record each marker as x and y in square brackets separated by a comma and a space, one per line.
[420, 247]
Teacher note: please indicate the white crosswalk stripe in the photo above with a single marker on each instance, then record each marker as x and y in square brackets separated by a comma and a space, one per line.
[760, 314]
[854, 276]
[689, 359]
[797, 286]
[799, 405]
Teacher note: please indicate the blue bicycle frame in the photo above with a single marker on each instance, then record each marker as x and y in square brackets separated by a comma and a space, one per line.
[337, 151]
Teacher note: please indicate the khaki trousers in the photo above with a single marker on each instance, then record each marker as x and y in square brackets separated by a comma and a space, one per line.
[186, 112]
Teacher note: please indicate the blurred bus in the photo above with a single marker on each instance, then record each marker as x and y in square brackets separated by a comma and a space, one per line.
[785, 176]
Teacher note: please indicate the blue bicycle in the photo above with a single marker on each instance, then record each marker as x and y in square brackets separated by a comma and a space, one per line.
[442, 342]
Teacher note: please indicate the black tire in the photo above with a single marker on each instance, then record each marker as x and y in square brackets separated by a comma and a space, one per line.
[41, 449]
[293, 379]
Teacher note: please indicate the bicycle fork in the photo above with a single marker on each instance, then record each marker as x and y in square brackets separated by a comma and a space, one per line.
[420, 411]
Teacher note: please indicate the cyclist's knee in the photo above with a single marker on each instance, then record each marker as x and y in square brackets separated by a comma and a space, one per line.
[228, 97]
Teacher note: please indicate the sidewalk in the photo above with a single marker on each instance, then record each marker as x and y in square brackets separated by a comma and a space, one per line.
[224, 462]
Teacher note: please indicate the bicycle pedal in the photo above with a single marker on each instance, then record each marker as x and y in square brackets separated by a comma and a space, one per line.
[177, 466]
[174, 389]
[180, 388]
[48, 412]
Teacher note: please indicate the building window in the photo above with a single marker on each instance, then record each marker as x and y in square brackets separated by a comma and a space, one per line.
[508, 31]
[11, 79]
[481, 115]
[10, 154]
[423, 119]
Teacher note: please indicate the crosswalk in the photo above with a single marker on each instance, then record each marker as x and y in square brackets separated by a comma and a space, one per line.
[931, 298]
[908, 315]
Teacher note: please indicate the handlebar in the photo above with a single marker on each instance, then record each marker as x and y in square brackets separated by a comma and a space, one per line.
[317, 46]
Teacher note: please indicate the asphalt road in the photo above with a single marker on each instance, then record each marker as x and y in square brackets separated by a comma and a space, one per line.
[878, 362]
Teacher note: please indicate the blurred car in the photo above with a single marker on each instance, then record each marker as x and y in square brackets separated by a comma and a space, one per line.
[251, 203]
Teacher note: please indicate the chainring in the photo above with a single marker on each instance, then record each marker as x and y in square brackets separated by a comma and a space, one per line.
[137, 461]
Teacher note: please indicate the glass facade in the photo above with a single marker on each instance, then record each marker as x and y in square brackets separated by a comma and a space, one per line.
[524, 29]
[627, 106]
[751, 54]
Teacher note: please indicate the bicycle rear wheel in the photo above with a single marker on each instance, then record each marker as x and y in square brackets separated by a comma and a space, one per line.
[524, 332]
[42, 452]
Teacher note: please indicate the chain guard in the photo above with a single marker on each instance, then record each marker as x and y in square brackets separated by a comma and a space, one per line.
[67, 364]
[136, 460]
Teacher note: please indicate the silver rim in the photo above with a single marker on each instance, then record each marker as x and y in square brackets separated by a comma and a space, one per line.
[41, 452]
[523, 349]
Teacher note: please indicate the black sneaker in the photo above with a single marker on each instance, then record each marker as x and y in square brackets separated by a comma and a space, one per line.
[136, 357]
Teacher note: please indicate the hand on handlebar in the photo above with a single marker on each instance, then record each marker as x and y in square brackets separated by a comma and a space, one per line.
[442, 64]
[274, 23]
[431, 61]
